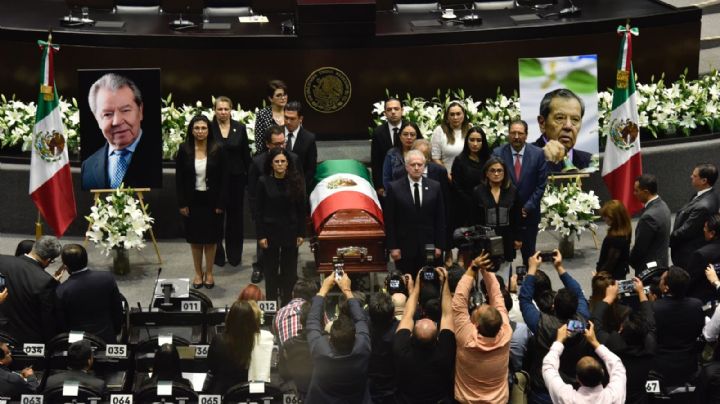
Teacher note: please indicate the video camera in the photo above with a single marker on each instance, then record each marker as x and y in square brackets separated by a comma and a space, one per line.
[394, 283]
[477, 239]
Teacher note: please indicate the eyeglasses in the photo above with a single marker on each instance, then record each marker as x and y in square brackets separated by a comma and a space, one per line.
[496, 170]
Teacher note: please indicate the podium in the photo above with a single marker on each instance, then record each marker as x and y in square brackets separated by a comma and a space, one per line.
[335, 17]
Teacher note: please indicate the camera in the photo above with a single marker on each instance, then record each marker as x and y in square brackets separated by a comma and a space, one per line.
[394, 283]
[477, 239]
[547, 256]
[625, 286]
[575, 326]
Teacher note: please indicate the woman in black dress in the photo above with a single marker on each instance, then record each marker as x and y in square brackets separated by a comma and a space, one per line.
[229, 353]
[468, 173]
[201, 182]
[232, 136]
[280, 223]
[166, 367]
[273, 114]
[496, 205]
[615, 251]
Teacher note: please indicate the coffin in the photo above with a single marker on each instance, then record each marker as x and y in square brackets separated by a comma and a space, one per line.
[346, 218]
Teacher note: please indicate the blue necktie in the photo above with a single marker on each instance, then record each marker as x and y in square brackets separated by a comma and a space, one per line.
[116, 177]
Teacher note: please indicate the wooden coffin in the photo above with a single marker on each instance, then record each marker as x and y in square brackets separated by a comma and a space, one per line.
[353, 235]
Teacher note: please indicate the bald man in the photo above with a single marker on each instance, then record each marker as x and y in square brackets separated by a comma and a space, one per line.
[424, 357]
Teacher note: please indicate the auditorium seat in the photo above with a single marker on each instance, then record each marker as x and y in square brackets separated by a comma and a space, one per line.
[494, 5]
[180, 395]
[240, 393]
[416, 6]
[137, 7]
[227, 8]
[85, 395]
[57, 347]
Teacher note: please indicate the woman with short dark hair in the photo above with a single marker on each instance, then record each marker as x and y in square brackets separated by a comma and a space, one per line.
[395, 157]
[273, 114]
[468, 173]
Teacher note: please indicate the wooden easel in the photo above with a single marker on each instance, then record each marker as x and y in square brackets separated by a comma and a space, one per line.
[577, 177]
[139, 194]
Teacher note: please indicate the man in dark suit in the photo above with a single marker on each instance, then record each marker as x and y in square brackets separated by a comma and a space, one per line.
[14, 384]
[80, 361]
[699, 260]
[687, 235]
[411, 216]
[528, 172]
[561, 113]
[29, 308]
[652, 233]
[300, 141]
[382, 140]
[128, 157]
[88, 300]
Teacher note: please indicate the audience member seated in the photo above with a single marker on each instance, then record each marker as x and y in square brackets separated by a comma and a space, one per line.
[590, 373]
[381, 369]
[295, 359]
[80, 362]
[230, 352]
[287, 320]
[633, 341]
[424, 357]
[568, 304]
[88, 300]
[679, 321]
[14, 384]
[483, 339]
[340, 363]
[613, 315]
[251, 292]
[699, 287]
[615, 252]
[166, 367]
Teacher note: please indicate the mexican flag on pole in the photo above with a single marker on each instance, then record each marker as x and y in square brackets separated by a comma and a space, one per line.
[341, 185]
[623, 162]
[51, 185]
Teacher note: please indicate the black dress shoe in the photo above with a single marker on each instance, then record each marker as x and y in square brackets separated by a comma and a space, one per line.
[197, 285]
[209, 285]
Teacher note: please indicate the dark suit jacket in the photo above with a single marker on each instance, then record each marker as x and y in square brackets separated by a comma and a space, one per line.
[699, 286]
[257, 170]
[216, 177]
[338, 378]
[90, 301]
[652, 236]
[306, 149]
[145, 169]
[439, 173]
[408, 228]
[581, 159]
[484, 205]
[679, 323]
[531, 185]
[687, 235]
[13, 385]
[30, 307]
[237, 148]
[84, 379]
[380, 143]
[279, 219]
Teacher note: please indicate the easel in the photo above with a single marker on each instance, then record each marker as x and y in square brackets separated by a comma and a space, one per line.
[139, 194]
[577, 177]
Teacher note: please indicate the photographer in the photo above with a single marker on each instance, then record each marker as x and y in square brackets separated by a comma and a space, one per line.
[483, 339]
[423, 356]
[568, 304]
[707, 254]
[634, 342]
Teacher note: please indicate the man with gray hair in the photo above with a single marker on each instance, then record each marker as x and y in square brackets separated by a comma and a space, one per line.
[412, 222]
[116, 103]
[28, 310]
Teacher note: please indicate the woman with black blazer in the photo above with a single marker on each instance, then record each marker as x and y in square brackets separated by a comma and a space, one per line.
[201, 182]
[280, 222]
[232, 136]
[496, 205]
[468, 173]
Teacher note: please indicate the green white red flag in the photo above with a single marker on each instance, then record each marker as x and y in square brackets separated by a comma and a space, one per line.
[51, 186]
[622, 162]
[342, 185]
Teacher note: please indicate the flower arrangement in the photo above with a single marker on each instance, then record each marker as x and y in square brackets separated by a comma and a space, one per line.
[567, 209]
[117, 221]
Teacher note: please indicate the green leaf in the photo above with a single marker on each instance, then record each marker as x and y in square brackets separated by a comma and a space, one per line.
[580, 81]
[531, 67]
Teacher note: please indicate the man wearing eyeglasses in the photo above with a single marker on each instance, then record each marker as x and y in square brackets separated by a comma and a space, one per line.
[28, 310]
[528, 172]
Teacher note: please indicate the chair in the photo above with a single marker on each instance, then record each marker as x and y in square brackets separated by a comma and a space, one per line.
[137, 7]
[145, 352]
[416, 6]
[57, 347]
[227, 8]
[240, 393]
[180, 394]
[494, 5]
[85, 395]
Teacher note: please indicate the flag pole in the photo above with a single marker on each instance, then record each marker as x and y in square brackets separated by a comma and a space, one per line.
[38, 227]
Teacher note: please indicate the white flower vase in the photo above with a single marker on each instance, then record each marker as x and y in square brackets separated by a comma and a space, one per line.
[567, 246]
[121, 261]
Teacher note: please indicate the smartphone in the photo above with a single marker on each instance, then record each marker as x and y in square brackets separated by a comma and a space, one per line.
[625, 286]
[338, 274]
[576, 326]
[520, 271]
[2, 283]
[547, 256]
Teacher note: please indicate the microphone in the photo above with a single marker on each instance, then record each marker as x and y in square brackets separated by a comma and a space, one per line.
[152, 296]
[568, 11]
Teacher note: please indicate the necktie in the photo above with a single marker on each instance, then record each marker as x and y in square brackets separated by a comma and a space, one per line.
[518, 166]
[395, 133]
[416, 195]
[290, 141]
[116, 177]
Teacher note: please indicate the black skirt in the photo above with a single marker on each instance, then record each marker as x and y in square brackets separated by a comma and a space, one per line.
[203, 226]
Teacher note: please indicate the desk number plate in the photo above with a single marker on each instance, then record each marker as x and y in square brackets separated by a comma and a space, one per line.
[31, 398]
[121, 399]
[201, 351]
[34, 350]
[190, 306]
[268, 306]
[210, 399]
[116, 351]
